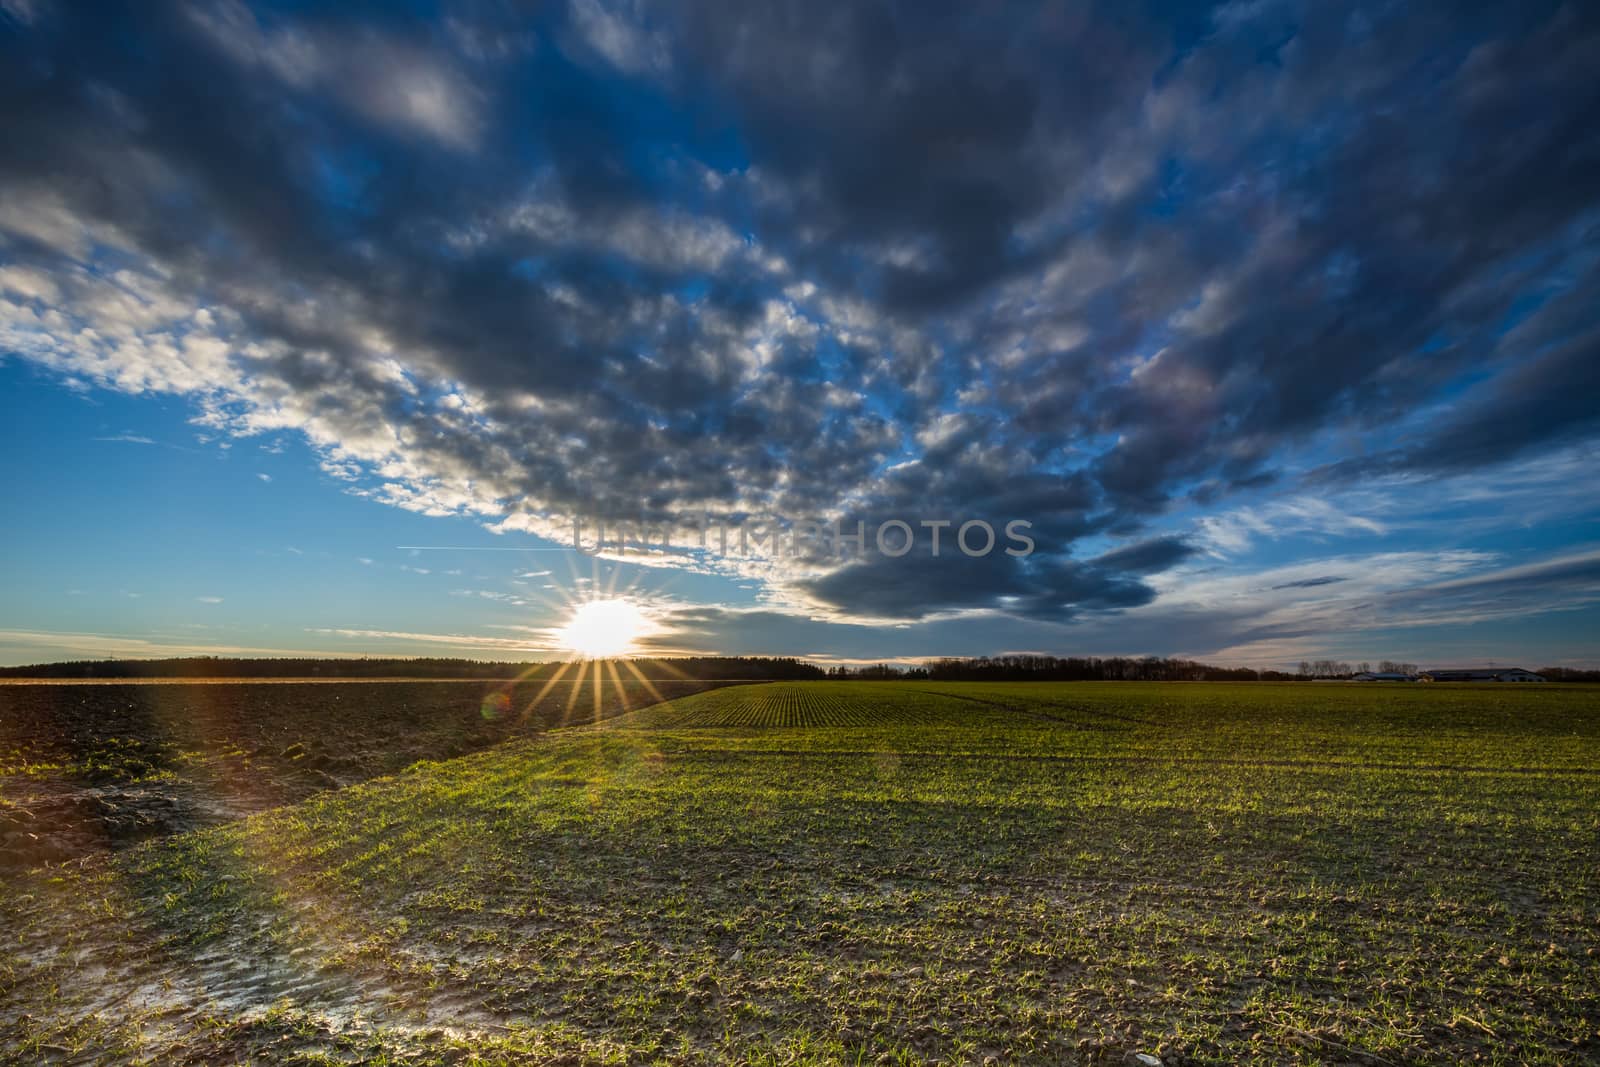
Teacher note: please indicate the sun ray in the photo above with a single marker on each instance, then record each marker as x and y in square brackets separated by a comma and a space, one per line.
[649, 686]
[616, 683]
[553, 681]
[668, 666]
[577, 691]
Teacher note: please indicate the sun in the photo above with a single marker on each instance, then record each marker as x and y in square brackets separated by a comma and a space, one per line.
[599, 629]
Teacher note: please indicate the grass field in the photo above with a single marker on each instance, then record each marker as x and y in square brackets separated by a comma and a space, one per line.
[90, 767]
[876, 873]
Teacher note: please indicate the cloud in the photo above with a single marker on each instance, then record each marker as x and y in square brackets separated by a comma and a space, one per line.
[1402, 600]
[1157, 554]
[1395, 604]
[24, 11]
[1566, 582]
[920, 584]
[619, 37]
[492, 594]
[1312, 583]
[497, 645]
[1234, 531]
[43, 646]
[1085, 268]
[209, 599]
[1543, 402]
[391, 82]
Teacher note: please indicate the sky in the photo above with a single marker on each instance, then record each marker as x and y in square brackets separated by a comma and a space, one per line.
[1268, 331]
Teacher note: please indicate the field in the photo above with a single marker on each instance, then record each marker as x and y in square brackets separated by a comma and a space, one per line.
[90, 767]
[874, 873]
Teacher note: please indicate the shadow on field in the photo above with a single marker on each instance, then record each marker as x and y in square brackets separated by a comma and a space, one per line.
[86, 769]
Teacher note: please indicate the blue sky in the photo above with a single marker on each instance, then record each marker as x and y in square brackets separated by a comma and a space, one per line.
[1277, 324]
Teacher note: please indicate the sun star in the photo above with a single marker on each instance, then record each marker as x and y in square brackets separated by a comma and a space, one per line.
[602, 628]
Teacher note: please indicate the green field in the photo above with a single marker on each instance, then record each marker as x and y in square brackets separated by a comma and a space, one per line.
[891, 872]
[87, 768]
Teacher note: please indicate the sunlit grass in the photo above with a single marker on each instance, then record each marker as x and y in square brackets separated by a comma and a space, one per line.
[881, 873]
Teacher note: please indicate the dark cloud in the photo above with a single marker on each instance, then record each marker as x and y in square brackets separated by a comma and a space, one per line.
[1045, 587]
[909, 146]
[1547, 400]
[1311, 583]
[1062, 264]
[1373, 619]
[1540, 402]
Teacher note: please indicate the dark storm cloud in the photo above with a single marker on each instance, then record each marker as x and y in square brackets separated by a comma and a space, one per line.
[1065, 263]
[1047, 587]
[907, 145]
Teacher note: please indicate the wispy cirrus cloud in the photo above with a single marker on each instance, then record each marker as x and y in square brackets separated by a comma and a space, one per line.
[39, 646]
[508, 646]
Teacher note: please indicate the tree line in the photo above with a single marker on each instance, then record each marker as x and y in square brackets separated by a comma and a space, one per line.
[1020, 668]
[1568, 674]
[765, 668]
[657, 669]
[1327, 668]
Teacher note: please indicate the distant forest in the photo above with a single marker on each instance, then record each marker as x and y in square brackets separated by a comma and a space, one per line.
[1137, 669]
[981, 669]
[696, 667]
[1069, 669]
